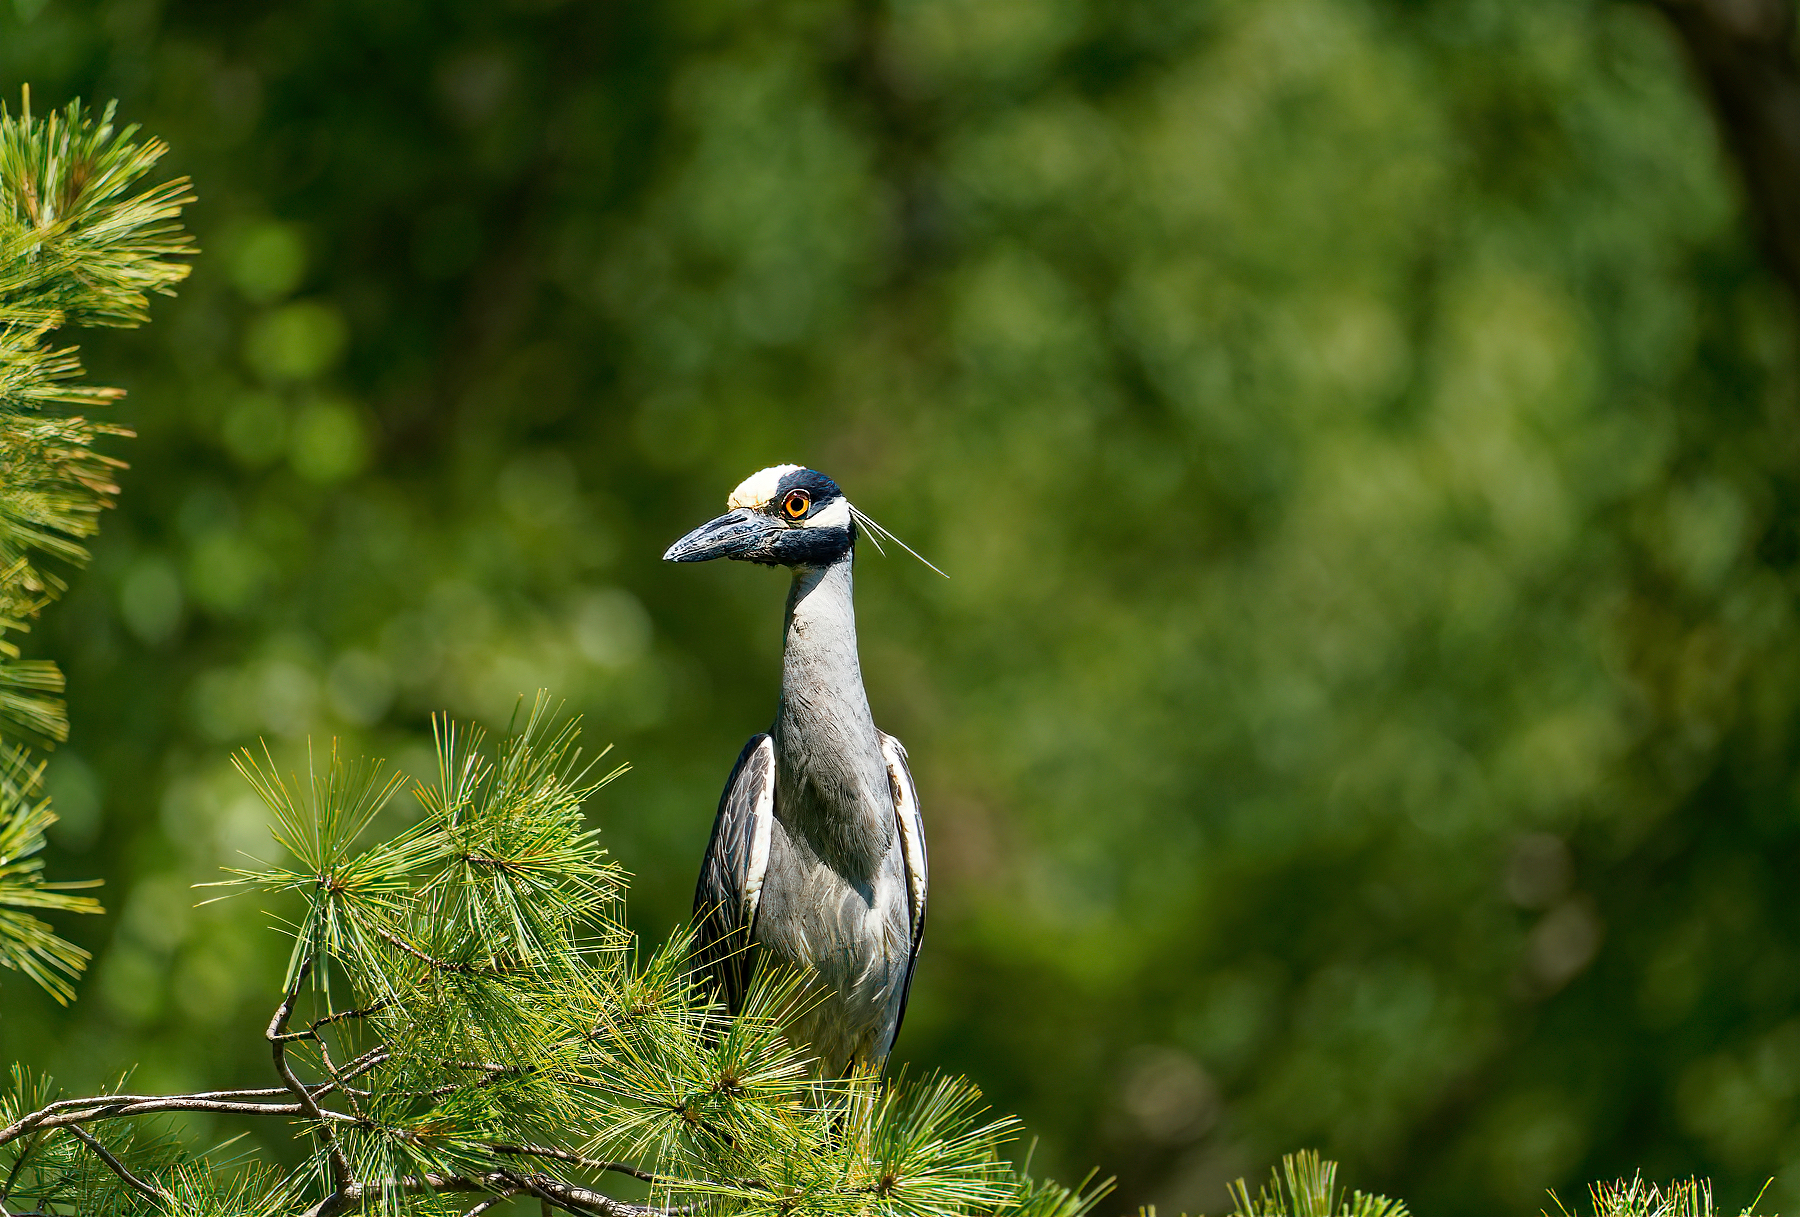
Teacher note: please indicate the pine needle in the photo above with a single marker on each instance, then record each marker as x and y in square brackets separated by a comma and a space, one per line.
[80, 243]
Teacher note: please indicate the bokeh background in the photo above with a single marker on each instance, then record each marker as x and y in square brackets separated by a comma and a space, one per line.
[1364, 711]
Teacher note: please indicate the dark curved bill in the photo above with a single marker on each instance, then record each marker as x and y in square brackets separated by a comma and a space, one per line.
[729, 536]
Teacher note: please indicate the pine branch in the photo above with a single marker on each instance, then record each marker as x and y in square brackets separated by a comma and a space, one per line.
[592, 1164]
[76, 246]
[27, 943]
[521, 1048]
[343, 1180]
[1305, 1185]
[113, 1164]
[1636, 1197]
[499, 1197]
[80, 243]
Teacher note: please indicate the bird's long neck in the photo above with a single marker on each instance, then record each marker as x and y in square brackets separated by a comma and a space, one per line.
[832, 782]
[819, 655]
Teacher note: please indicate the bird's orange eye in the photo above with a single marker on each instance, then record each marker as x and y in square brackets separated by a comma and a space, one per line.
[796, 504]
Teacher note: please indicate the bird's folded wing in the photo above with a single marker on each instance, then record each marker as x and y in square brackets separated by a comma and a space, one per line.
[731, 875]
[912, 847]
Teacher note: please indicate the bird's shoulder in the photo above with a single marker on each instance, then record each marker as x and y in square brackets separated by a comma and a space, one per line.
[754, 774]
[910, 821]
[911, 826]
[728, 894]
[746, 810]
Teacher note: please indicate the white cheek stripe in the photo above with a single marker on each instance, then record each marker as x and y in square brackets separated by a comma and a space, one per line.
[756, 490]
[836, 514]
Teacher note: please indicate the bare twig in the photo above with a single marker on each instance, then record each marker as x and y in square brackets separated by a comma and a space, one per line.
[444, 965]
[585, 1201]
[107, 1103]
[145, 1107]
[349, 1092]
[341, 1015]
[484, 860]
[343, 1180]
[491, 1201]
[371, 1059]
[569, 1197]
[312, 1029]
[336, 1202]
[113, 1164]
[592, 1164]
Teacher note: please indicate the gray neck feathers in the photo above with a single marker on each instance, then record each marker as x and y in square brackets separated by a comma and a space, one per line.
[832, 787]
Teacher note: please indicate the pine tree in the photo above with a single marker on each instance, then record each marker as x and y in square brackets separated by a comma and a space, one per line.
[79, 244]
[466, 1020]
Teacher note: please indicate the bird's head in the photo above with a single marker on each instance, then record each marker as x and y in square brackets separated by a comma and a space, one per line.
[781, 516]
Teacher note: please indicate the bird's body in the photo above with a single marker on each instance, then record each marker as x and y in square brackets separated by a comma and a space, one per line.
[817, 857]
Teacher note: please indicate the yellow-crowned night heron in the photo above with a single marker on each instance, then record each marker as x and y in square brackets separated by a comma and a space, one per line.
[817, 856]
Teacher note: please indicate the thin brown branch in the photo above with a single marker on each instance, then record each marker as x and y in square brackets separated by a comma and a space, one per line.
[312, 1028]
[117, 1167]
[491, 1201]
[349, 1092]
[343, 1180]
[179, 1103]
[436, 1092]
[569, 1197]
[373, 1058]
[145, 1107]
[342, 1015]
[592, 1164]
[336, 1202]
[585, 1200]
[484, 860]
[443, 965]
[37, 1118]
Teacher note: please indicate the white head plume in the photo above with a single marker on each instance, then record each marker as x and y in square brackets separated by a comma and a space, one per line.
[877, 533]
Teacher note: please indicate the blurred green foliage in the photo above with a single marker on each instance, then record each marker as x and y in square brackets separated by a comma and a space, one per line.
[1363, 711]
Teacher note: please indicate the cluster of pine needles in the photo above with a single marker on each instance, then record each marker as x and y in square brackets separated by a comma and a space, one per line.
[1305, 1185]
[80, 244]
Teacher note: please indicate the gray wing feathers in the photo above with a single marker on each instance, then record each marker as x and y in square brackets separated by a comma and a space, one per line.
[731, 876]
[912, 846]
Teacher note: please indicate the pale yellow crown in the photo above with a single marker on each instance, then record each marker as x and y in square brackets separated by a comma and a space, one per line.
[755, 491]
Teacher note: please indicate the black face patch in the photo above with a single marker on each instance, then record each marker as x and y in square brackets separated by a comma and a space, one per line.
[807, 547]
[821, 488]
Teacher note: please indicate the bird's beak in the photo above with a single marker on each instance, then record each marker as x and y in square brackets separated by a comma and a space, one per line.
[730, 536]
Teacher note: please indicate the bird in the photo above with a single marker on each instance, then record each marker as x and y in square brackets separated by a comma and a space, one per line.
[817, 856]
